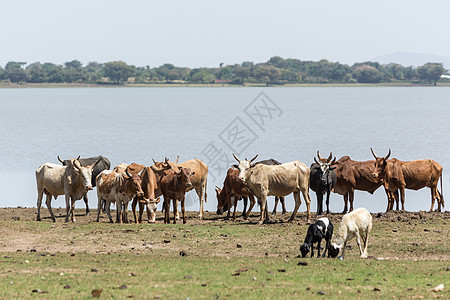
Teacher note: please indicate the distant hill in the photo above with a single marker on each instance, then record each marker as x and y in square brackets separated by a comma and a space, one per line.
[412, 59]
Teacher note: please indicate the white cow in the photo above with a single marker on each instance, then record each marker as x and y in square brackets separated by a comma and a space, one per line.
[73, 181]
[276, 180]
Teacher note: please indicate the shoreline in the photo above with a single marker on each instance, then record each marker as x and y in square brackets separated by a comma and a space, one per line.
[249, 85]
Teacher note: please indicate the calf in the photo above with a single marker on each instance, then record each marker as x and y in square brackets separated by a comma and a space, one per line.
[322, 228]
[173, 187]
[357, 223]
[118, 188]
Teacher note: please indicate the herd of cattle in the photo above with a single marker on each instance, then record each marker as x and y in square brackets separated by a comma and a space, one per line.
[246, 180]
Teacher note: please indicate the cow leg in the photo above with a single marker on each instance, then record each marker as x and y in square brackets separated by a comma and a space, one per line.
[119, 211]
[245, 200]
[141, 212]
[298, 202]
[200, 192]
[108, 211]
[263, 204]
[39, 204]
[283, 206]
[235, 207]
[85, 199]
[133, 209]
[308, 204]
[319, 196]
[175, 211]
[125, 212]
[328, 202]
[440, 202]
[183, 209]
[67, 207]
[351, 197]
[252, 203]
[345, 203]
[175, 204]
[274, 212]
[48, 202]
[72, 210]
[433, 196]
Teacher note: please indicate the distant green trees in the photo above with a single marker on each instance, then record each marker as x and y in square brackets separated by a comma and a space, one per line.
[275, 71]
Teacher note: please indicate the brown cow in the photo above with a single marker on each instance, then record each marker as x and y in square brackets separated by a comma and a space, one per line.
[174, 186]
[118, 188]
[413, 175]
[198, 180]
[233, 188]
[151, 191]
[355, 175]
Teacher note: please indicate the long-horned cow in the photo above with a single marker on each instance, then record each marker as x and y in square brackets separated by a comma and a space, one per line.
[413, 175]
[72, 181]
[355, 175]
[103, 164]
[198, 180]
[118, 188]
[322, 180]
[277, 180]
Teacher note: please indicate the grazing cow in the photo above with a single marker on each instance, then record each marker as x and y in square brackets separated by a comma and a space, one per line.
[198, 180]
[322, 228]
[355, 175]
[233, 189]
[357, 223]
[149, 199]
[118, 188]
[103, 164]
[277, 180]
[73, 181]
[413, 175]
[174, 186]
[322, 180]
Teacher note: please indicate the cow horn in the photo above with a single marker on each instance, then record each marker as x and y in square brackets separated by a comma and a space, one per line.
[389, 154]
[373, 153]
[166, 160]
[93, 165]
[236, 158]
[178, 157]
[78, 157]
[253, 158]
[315, 159]
[154, 161]
[330, 157]
[318, 155]
[128, 174]
[333, 161]
[60, 159]
[74, 163]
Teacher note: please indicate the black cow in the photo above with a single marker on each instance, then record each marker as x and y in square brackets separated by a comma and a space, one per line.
[103, 164]
[322, 180]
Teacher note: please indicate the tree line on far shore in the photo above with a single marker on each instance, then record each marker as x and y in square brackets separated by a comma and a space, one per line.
[276, 71]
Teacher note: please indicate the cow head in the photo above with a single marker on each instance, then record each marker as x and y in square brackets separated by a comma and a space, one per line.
[134, 183]
[67, 162]
[244, 166]
[85, 173]
[185, 174]
[334, 250]
[151, 207]
[304, 249]
[222, 204]
[380, 164]
[159, 167]
[325, 165]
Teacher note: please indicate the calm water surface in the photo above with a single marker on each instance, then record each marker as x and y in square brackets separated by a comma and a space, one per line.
[138, 124]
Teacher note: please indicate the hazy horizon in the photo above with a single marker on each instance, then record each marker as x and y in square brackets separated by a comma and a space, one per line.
[205, 34]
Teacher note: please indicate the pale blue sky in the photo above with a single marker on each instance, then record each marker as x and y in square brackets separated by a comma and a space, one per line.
[206, 33]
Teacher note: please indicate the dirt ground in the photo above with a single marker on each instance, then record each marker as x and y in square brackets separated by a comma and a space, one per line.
[395, 235]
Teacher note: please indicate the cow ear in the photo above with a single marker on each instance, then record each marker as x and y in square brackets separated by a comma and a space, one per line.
[158, 199]
[235, 166]
[332, 168]
[252, 165]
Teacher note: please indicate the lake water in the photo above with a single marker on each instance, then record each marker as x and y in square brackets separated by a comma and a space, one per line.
[138, 124]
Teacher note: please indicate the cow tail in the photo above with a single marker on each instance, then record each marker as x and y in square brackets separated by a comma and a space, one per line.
[206, 184]
[442, 193]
